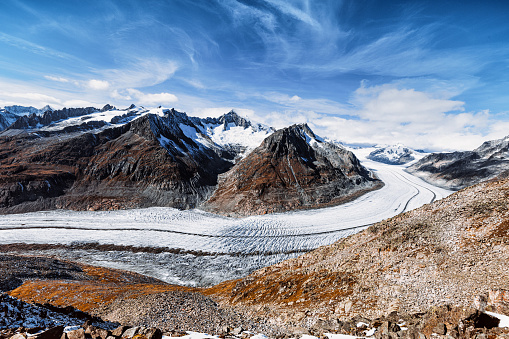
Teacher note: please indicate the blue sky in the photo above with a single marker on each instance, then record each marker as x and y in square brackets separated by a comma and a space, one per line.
[429, 74]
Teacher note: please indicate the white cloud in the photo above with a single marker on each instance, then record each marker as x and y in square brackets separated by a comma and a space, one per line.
[81, 103]
[98, 84]
[386, 103]
[389, 115]
[140, 73]
[57, 79]
[28, 98]
[148, 99]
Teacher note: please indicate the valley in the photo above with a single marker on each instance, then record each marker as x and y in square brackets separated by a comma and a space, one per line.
[196, 248]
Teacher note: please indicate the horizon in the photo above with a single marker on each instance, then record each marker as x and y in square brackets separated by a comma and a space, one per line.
[429, 76]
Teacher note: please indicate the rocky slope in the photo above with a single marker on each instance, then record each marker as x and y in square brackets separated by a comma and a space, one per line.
[458, 170]
[447, 252]
[292, 169]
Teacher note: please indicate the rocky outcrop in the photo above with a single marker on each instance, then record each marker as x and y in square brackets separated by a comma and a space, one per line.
[458, 170]
[292, 169]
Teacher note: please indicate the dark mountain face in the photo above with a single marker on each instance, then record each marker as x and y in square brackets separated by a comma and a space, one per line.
[118, 168]
[292, 169]
[458, 170]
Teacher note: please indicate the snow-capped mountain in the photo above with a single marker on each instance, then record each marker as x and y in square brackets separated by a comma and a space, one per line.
[9, 114]
[109, 158]
[26, 110]
[292, 169]
[457, 170]
[392, 154]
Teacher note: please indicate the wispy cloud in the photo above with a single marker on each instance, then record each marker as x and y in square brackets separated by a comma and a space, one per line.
[57, 79]
[33, 48]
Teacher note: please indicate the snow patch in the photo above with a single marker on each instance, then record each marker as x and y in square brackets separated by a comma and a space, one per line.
[504, 320]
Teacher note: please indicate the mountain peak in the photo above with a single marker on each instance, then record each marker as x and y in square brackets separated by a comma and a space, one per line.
[232, 118]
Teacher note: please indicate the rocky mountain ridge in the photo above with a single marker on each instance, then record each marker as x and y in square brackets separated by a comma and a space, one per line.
[89, 159]
[457, 170]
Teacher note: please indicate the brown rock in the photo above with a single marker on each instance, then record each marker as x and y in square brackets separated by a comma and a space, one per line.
[119, 331]
[498, 301]
[76, 334]
[97, 333]
[18, 336]
[440, 329]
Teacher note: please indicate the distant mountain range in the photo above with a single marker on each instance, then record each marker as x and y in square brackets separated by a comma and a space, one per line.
[458, 170]
[109, 158]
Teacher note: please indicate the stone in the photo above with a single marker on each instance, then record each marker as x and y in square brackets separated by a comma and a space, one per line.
[237, 330]
[480, 302]
[130, 332]
[18, 336]
[52, 333]
[119, 331]
[98, 333]
[440, 328]
[76, 334]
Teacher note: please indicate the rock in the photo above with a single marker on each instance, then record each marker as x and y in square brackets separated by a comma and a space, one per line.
[130, 332]
[76, 334]
[18, 336]
[480, 302]
[498, 301]
[237, 330]
[323, 325]
[119, 331]
[97, 333]
[52, 333]
[440, 328]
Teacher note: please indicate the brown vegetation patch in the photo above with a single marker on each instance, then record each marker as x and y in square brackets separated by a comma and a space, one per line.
[86, 295]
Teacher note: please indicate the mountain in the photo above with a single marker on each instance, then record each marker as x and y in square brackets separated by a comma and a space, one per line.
[291, 169]
[9, 114]
[89, 159]
[392, 155]
[6, 119]
[148, 161]
[458, 170]
[451, 252]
